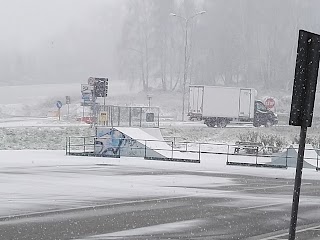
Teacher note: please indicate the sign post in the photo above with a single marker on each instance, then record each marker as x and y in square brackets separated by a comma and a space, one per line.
[98, 87]
[59, 106]
[304, 89]
[68, 101]
[149, 96]
[106, 86]
[91, 83]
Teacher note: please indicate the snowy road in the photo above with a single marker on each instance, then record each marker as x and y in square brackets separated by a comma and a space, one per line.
[46, 195]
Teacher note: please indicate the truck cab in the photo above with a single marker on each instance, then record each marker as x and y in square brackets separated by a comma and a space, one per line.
[263, 116]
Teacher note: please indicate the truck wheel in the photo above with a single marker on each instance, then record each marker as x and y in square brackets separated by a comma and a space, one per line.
[256, 124]
[268, 124]
[222, 123]
[209, 123]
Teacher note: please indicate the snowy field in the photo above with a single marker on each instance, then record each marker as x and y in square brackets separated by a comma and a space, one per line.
[38, 100]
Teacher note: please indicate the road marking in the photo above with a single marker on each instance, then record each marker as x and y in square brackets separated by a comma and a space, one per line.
[172, 227]
[31, 214]
[285, 234]
[280, 186]
[266, 205]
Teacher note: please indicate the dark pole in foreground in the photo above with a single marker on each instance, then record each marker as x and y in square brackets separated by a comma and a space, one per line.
[297, 184]
[303, 96]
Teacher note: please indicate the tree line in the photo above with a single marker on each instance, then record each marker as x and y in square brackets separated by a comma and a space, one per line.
[235, 43]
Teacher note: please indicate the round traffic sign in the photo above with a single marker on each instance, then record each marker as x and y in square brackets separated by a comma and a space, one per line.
[91, 81]
[270, 103]
[59, 104]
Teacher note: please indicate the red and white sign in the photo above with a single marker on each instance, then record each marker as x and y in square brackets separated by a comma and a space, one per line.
[270, 103]
[91, 81]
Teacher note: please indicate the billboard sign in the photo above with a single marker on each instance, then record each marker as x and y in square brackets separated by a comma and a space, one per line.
[101, 87]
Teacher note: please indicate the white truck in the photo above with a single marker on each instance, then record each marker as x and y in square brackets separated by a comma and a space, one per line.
[218, 106]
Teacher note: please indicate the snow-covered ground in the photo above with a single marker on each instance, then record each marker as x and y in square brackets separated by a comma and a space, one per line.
[46, 180]
[38, 100]
[33, 181]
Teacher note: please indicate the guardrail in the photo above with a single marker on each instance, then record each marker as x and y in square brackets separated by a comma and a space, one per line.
[188, 152]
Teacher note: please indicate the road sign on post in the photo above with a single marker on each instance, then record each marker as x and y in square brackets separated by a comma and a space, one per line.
[59, 106]
[270, 103]
[101, 86]
[86, 88]
[91, 81]
[98, 88]
[68, 101]
[304, 89]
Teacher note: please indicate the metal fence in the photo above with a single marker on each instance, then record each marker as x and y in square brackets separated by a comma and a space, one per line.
[124, 116]
[193, 152]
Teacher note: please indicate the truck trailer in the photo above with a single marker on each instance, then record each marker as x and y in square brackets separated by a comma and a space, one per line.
[218, 106]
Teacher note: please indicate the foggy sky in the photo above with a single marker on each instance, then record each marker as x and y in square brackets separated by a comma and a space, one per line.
[55, 38]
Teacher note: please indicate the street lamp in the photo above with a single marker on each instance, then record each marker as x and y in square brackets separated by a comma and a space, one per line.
[187, 20]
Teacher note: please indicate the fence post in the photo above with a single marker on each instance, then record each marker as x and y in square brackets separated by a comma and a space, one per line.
[199, 152]
[257, 156]
[94, 147]
[119, 116]
[145, 149]
[119, 150]
[84, 144]
[287, 158]
[186, 146]
[66, 145]
[111, 115]
[172, 150]
[69, 145]
[140, 116]
[317, 158]
[228, 154]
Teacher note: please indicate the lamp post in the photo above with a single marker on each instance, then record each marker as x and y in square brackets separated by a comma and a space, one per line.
[187, 20]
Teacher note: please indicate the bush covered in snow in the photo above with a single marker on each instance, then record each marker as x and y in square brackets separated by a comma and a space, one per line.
[267, 139]
[49, 138]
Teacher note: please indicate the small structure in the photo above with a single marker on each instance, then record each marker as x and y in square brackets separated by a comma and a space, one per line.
[128, 116]
[289, 157]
